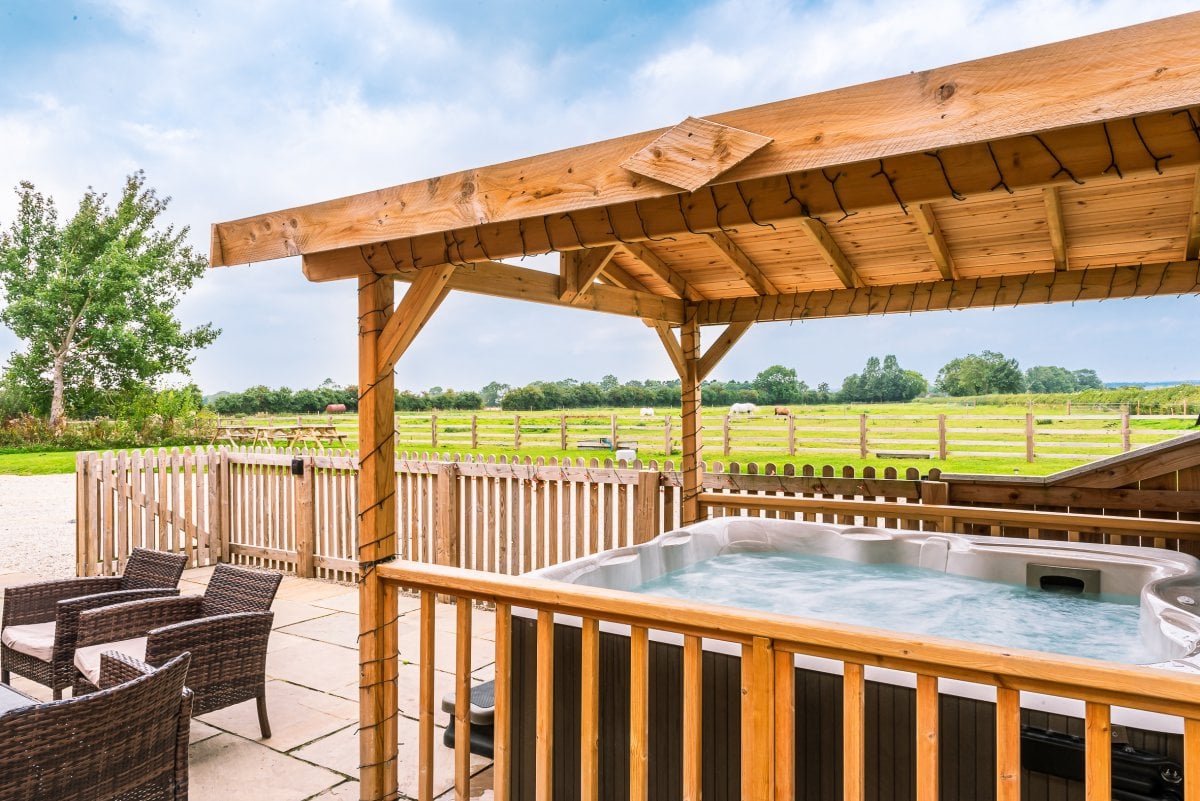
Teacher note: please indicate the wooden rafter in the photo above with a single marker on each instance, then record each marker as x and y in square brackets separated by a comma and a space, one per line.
[419, 303]
[678, 285]
[1055, 226]
[831, 252]
[617, 275]
[1193, 234]
[742, 264]
[928, 224]
[1171, 278]
[1108, 76]
[721, 346]
[578, 271]
[519, 283]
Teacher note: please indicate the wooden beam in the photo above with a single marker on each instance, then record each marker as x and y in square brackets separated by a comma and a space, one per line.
[1055, 226]
[502, 281]
[1135, 71]
[617, 275]
[674, 351]
[679, 285]
[831, 252]
[928, 224]
[578, 271]
[1193, 234]
[1171, 278]
[721, 346]
[419, 303]
[692, 428]
[736, 258]
[377, 639]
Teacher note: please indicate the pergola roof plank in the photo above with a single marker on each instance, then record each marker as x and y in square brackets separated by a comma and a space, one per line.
[1142, 70]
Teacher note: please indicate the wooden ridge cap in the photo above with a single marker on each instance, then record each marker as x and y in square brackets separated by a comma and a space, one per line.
[1118, 74]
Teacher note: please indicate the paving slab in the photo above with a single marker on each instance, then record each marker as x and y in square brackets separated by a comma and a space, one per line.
[339, 628]
[289, 612]
[298, 715]
[346, 791]
[483, 652]
[308, 590]
[201, 731]
[226, 767]
[316, 665]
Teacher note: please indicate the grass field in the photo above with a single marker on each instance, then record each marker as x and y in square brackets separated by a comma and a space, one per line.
[757, 440]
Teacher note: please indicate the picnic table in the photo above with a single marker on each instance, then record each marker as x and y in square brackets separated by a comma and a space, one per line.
[319, 434]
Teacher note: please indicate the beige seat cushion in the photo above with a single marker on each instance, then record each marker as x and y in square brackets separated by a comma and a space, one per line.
[34, 639]
[87, 659]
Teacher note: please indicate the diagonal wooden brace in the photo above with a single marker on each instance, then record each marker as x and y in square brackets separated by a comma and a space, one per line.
[419, 303]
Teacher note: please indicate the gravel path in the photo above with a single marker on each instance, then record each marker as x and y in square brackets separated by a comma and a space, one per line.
[37, 525]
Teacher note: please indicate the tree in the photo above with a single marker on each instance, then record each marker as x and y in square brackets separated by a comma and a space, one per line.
[778, 384]
[987, 373]
[94, 300]
[886, 381]
[1087, 379]
[1045, 378]
[493, 392]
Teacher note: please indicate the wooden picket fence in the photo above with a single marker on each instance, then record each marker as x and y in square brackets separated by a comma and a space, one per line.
[296, 510]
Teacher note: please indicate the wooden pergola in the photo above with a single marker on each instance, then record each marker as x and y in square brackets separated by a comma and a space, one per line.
[1061, 173]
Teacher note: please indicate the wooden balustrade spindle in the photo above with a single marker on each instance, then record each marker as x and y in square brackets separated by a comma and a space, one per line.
[1191, 759]
[693, 754]
[589, 724]
[785, 727]
[544, 726]
[1098, 753]
[927, 738]
[425, 730]
[1008, 744]
[639, 718]
[501, 720]
[462, 701]
[853, 733]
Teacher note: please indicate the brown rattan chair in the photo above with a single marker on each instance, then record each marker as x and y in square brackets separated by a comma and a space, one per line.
[225, 630]
[128, 741]
[39, 623]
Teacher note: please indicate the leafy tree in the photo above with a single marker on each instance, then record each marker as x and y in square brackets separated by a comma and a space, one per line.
[885, 381]
[493, 392]
[988, 373]
[1087, 379]
[778, 384]
[1044, 379]
[94, 300]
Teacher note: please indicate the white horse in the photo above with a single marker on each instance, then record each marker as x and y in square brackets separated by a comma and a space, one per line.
[647, 411]
[742, 408]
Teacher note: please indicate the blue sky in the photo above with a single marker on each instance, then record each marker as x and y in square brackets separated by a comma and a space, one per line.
[237, 108]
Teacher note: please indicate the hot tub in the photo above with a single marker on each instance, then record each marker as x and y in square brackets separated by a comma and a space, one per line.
[1146, 596]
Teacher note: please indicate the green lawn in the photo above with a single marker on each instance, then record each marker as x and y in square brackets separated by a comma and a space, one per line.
[38, 463]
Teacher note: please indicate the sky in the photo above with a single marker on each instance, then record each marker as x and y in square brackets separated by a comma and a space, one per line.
[234, 108]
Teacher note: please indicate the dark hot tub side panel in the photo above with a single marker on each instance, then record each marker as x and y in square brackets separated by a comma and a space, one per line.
[967, 743]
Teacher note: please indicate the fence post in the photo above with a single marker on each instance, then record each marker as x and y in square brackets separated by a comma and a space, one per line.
[645, 515]
[1029, 452]
[83, 544]
[226, 487]
[445, 533]
[433, 431]
[862, 435]
[562, 432]
[943, 448]
[1126, 443]
[667, 435]
[474, 432]
[725, 437]
[613, 431]
[1068, 407]
[516, 432]
[306, 516]
[937, 493]
[791, 435]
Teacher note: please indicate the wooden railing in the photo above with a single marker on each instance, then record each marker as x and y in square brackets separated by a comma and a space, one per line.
[768, 646]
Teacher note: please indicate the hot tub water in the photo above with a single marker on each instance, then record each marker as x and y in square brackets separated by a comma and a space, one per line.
[915, 600]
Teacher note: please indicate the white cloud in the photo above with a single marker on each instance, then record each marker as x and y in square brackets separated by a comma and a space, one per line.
[235, 109]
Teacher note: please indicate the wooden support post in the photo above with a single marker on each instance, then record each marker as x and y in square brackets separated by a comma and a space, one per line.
[1126, 439]
[306, 518]
[853, 733]
[791, 435]
[516, 432]
[862, 436]
[612, 429]
[1008, 744]
[377, 640]
[943, 447]
[645, 515]
[725, 436]
[927, 738]
[784, 715]
[758, 730]
[474, 432]
[1029, 449]
[446, 502]
[562, 432]
[693, 446]
[433, 431]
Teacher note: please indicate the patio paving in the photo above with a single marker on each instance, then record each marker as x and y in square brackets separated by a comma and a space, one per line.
[312, 699]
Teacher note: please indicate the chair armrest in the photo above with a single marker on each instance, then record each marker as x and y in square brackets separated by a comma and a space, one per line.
[35, 603]
[66, 620]
[222, 646]
[134, 618]
[118, 668]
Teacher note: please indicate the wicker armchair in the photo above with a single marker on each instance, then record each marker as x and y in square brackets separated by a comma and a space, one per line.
[128, 741]
[40, 620]
[225, 630]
